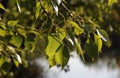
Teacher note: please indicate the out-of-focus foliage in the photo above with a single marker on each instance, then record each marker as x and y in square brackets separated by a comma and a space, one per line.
[56, 27]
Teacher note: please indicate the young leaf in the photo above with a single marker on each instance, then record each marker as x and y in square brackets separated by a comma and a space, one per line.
[55, 7]
[98, 41]
[103, 34]
[16, 41]
[12, 22]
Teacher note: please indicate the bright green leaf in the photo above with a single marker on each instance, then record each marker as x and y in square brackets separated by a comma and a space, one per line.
[12, 22]
[2, 7]
[61, 33]
[37, 13]
[110, 2]
[77, 28]
[98, 41]
[2, 33]
[62, 56]
[2, 60]
[103, 34]
[16, 41]
[52, 46]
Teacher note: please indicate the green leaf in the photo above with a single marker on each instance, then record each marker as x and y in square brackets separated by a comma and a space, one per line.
[91, 48]
[2, 60]
[16, 41]
[110, 2]
[98, 41]
[79, 50]
[52, 46]
[103, 34]
[12, 23]
[77, 28]
[3, 33]
[38, 8]
[61, 33]
[6, 68]
[2, 7]
[55, 6]
[62, 56]
[2, 25]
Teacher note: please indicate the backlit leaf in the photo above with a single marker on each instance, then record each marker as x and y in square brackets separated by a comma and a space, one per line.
[62, 56]
[2, 25]
[61, 33]
[52, 46]
[2, 60]
[37, 13]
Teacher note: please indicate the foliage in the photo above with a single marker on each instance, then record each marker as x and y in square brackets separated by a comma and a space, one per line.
[23, 23]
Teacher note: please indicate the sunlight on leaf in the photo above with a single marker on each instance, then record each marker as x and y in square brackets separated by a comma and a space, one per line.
[18, 6]
[110, 2]
[103, 34]
[98, 41]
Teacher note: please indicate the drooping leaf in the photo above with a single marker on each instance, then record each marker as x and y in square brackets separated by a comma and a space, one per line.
[6, 67]
[98, 41]
[16, 41]
[77, 29]
[62, 56]
[17, 60]
[103, 34]
[12, 22]
[91, 48]
[79, 50]
[110, 2]
[2, 7]
[55, 6]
